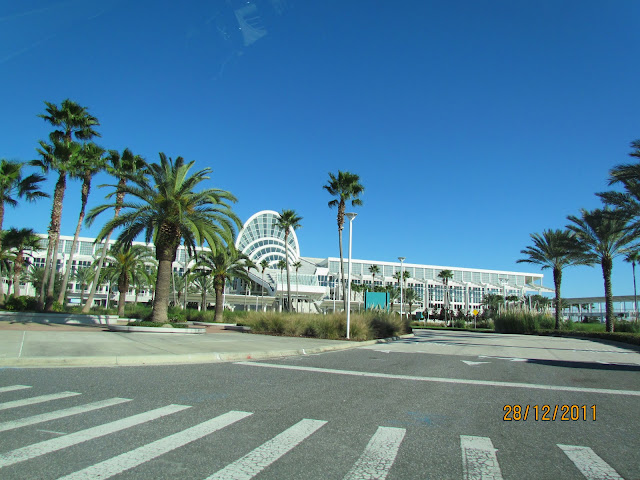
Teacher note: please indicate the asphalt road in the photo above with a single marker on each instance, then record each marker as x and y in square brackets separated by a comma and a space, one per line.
[429, 407]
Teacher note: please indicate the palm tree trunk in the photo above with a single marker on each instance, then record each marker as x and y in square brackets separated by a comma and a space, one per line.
[635, 297]
[219, 312]
[123, 287]
[54, 240]
[17, 270]
[286, 257]
[607, 266]
[94, 285]
[557, 280]
[162, 291]
[86, 187]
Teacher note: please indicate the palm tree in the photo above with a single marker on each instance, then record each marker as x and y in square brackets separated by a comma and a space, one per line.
[346, 186]
[411, 297]
[374, 270]
[281, 265]
[288, 221]
[72, 121]
[127, 264]
[202, 283]
[123, 167]
[633, 258]
[90, 162]
[224, 263]
[83, 276]
[169, 210]
[604, 234]
[445, 276]
[7, 257]
[555, 249]
[394, 294]
[263, 266]
[14, 186]
[20, 240]
[297, 266]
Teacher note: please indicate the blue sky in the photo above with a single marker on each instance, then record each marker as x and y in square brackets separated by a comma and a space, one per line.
[471, 124]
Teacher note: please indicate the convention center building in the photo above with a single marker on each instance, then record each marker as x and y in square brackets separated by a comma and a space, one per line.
[315, 282]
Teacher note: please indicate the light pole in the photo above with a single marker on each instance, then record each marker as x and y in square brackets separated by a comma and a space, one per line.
[351, 216]
[401, 281]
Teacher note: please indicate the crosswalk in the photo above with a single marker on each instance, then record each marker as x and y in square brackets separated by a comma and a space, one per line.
[479, 457]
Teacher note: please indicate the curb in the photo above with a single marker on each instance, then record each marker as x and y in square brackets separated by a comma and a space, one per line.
[170, 330]
[195, 358]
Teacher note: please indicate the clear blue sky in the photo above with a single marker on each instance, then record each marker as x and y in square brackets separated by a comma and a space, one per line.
[471, 124]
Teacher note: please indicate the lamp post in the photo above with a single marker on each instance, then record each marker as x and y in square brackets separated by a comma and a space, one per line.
[351, 216]
[401, 281]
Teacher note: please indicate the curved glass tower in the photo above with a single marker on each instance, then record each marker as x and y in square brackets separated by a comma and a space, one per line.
[260, 239]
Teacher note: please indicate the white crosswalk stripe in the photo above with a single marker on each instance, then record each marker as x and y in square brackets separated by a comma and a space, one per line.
[12, 388]
[589, 464]
[34, 400]
[67, 412]
[48, 446]
[479, 461]
[378, 457]
[143, 454]
[257, 460]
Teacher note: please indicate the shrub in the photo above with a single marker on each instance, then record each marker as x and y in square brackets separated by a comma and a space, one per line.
[460, 322]
[520, 321]
[21, 304]
[626, 327]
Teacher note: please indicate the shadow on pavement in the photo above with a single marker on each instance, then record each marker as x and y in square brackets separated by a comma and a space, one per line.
[589, 365]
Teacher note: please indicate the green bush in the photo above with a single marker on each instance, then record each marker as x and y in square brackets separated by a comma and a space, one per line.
[364, 326]
[520, 321]
[459, 322]
[626, 327]
[21, 304]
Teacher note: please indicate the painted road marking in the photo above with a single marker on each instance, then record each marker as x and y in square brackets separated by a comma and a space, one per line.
[67, 412]
[461, 381]
[11, 388]
[589, 464]
[479, 461]
[257, 460]
[378, 457]
[469, 362]
[133, 458]
[34, 400]
[48, 446]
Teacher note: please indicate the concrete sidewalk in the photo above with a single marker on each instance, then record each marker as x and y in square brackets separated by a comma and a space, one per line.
[54, 345]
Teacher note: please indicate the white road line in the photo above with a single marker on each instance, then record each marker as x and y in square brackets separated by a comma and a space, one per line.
[34, 400]
[378, 457]
[257, 460]
[11, 388]
[461, 381]
[589, 464]
[66, 412]
[133, 458]
[479, 461]
[22, 343]
[48, 446]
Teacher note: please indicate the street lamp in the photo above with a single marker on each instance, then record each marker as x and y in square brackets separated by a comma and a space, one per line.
[351, 216]
[401, 281]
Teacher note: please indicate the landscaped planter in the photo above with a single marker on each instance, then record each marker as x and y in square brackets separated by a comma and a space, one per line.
[134, 329]
[64, 318]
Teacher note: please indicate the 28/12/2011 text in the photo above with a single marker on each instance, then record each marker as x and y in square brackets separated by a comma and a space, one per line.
[549, 413]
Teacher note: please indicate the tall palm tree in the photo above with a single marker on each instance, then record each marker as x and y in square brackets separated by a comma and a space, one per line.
[345, 187]
[123, 167]
[445, 276]
[169, 211]
[288, 221]
[249, 264]
[90, 162]
[633, 258]
[263, 266]
[297, 266]
[374, 270]
[282, 264]
[224, 263]
[127, 264]
[411, 297]
[603, 235]
[202, 283]
[20, 241]
[14, 186]
[72, 121]
[555, 249]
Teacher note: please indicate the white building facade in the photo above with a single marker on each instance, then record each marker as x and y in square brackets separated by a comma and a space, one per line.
[314, 281]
